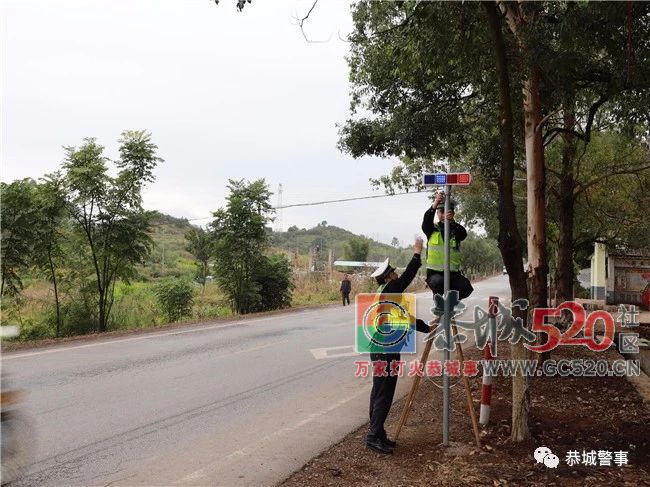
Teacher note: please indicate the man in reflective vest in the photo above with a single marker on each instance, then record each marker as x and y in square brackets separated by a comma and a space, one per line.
[383, 388]
[436, 249]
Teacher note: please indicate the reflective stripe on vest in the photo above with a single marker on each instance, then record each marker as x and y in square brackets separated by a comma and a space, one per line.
[436, 253]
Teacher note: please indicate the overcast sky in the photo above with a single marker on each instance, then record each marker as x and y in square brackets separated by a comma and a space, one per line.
[225, 95]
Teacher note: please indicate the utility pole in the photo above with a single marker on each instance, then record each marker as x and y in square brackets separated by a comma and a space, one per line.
[162, 261]
[447, 180]
[447, 325]
[310, 265]
[278, 215]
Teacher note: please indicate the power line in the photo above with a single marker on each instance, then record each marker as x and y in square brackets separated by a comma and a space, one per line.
[315, 203]
[350, 199]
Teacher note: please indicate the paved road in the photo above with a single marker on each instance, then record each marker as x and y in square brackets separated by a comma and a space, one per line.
[239, 403]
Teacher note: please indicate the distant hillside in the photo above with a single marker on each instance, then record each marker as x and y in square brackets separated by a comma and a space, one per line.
[169, 256]
[325, 236]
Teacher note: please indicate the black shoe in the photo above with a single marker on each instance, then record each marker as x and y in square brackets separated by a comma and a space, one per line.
[389, 443]
[379, 446]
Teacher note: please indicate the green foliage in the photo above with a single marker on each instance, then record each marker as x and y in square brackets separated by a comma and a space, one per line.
[80, 314]
[423, 76]
[612, 177]
[480, 255]
[38, 326]
[19, 227]
[273, 276]
[421, 70]
[335, 238]
[48, 253]
[136, 306]
[169, 256]
[50, 203]
[424, 89]
[108, 210]
[200, 244]
[211, 303]
[240, 236]
[356, 249]
[176, 298]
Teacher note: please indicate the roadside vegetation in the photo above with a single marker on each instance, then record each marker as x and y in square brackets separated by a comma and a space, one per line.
[81, 255]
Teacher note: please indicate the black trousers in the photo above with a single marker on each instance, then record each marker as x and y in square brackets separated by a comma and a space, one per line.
[346, 297]
[457, 281]
[381, 396]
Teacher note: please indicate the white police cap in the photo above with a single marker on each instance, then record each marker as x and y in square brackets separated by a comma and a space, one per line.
[383, 269]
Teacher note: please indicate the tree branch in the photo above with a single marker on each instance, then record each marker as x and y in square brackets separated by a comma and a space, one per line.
[628, 170]
[586, 137]
[592, 113]
[403, 23]
[301, 24]
[561, 130]
[544, 120]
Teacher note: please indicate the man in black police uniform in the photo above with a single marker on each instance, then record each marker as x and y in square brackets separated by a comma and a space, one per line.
[435, 249]
[383, 388]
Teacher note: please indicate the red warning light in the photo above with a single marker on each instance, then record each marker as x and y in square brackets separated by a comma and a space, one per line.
[464, 178]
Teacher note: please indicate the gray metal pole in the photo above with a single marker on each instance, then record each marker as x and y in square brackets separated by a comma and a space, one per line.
[447, 324]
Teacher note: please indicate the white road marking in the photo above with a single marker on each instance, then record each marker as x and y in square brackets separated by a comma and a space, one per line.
[321, 353]
[143, 337]
[249, 449]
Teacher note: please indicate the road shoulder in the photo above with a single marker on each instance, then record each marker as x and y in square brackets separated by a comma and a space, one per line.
[572, 413]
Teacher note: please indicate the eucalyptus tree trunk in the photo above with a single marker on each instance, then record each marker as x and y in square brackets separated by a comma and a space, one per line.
[536, 192]
[510, 242]
[564, 276]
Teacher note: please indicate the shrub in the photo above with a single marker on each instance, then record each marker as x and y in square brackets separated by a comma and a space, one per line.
[136, 306]
[176, 298]
[78, 317]
[273, 276]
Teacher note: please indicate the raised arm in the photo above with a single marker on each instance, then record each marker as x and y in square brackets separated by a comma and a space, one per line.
[400, 284]
[421, 326]
[428, 227]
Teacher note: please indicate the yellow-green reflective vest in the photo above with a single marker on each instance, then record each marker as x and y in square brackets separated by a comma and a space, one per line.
[436, 253]
[396, 316]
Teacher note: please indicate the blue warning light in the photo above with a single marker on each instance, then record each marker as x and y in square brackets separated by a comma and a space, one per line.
[442, 179]
[435, 179]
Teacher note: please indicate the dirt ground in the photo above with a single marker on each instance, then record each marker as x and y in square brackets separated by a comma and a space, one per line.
[572, 413]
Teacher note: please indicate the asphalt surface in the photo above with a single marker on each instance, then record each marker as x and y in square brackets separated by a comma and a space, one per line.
[229, 403]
